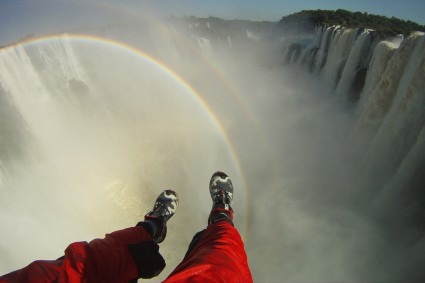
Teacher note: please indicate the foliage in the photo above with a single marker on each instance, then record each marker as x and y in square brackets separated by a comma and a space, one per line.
[308, 19]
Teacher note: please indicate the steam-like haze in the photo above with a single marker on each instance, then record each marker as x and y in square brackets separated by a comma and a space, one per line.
[92, 132]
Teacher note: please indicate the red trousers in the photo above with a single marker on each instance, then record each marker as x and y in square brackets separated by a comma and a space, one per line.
[216, 254]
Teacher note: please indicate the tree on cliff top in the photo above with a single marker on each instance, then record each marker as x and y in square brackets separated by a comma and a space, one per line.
[307, 20]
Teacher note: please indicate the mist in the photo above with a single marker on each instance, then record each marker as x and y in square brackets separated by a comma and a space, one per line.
[96, 123]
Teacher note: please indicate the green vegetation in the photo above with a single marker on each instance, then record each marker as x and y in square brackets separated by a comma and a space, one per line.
[307, 20]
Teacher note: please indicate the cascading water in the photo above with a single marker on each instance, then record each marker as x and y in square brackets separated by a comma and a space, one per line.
[101, 130]
[385, 78]
[353, 63]
[358, 163]
[335, 192]
[402, 88]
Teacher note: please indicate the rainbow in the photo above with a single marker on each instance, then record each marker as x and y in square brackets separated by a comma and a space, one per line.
[166, 70]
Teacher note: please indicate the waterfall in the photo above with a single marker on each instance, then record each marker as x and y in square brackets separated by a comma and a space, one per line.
[339, 50]
[353, 63]
[88, 128]
[323, 48]
[329, 132]
[340, 57]
[384, 79]
[398, 99]
[390, 90]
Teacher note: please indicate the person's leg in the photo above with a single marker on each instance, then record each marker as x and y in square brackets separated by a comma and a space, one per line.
[39, 271]
[216, 254]
[121, 256]
[130, 253]
[126, 254]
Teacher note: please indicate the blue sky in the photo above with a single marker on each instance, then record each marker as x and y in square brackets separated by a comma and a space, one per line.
[275, 9]
[19, 18]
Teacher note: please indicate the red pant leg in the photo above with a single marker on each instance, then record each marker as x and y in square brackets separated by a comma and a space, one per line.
[117, 258]
[104, 260]
[40, 271]
[219, 256]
